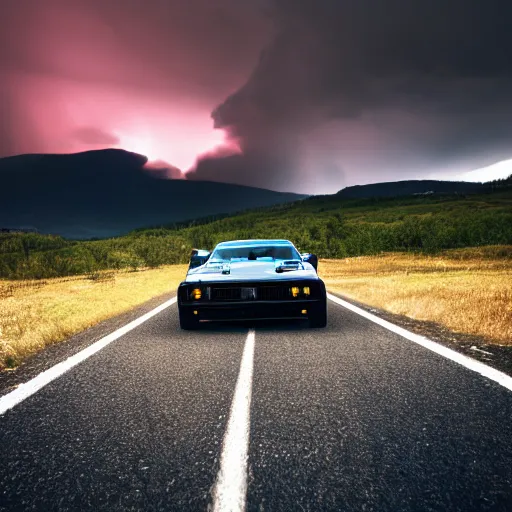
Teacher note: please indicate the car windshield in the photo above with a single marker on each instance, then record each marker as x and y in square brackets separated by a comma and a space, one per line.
[260, 253]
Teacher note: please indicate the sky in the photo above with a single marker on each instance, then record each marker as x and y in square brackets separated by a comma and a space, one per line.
[307, 96]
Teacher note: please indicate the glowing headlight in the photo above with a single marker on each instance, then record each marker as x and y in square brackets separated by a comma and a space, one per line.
[306, 290]
[295, 291]
[196, 293]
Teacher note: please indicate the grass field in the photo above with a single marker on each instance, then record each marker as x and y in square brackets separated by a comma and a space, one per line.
[34, 314]
[465, 290]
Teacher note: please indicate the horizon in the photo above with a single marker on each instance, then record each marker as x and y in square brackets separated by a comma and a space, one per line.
[497, 171]
[110, 192]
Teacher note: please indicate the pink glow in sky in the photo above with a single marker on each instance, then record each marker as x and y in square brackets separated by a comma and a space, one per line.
[81, 75]
[173, 130]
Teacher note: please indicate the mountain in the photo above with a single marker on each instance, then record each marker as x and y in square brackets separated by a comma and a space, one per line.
[412, 187]
[108, 192]
[409, 188]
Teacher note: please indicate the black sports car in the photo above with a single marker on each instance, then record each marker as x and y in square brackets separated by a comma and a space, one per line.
[252, 279]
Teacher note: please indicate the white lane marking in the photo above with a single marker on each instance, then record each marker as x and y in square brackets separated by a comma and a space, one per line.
[231, 486]
[476, 366]
[32, 386]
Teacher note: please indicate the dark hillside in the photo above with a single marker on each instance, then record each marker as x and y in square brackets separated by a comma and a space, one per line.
[107, 193]
[329, 226]
[412, 187]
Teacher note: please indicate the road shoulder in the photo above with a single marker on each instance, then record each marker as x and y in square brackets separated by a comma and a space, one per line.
[476, 347]
[54, 354]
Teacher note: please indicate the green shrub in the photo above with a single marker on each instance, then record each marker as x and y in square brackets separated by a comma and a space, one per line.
[325, 225]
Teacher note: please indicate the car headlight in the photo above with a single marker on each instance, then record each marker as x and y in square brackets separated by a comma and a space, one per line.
[295, 291]
[196, 294]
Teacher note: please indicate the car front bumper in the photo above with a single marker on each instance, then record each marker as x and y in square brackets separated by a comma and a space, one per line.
[252, 310]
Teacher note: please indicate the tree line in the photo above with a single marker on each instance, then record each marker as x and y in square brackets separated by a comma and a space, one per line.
[325, 225]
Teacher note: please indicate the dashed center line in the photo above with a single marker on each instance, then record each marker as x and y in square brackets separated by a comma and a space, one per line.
[230, 489]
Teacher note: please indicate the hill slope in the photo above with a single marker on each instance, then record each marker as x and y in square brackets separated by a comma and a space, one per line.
[411, 187]
[329, 226]
[107, 193]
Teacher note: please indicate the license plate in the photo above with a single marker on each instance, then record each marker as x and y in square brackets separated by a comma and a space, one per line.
[248, 293]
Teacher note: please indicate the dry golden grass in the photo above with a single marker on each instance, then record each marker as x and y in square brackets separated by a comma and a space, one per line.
[34, 314]
[466, 290]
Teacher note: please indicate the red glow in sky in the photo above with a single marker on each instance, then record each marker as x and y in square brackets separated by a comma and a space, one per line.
[81, 75]
[173, 130]
[163, 131]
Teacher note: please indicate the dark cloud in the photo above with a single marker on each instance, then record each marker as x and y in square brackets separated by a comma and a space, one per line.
[339, 58]
[316, 94]
[261, 168]
[433, 78]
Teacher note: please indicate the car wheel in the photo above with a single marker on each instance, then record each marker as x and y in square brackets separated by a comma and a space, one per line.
[188, 321]
[318, 317]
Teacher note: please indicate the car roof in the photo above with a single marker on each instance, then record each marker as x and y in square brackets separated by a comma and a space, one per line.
[253, 243]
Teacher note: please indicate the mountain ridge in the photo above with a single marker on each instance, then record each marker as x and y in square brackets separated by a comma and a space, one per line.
[103, 193]
[411, 187]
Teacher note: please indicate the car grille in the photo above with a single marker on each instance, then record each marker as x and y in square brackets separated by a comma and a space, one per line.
[226, 294]
[262, 293]
[273, 293]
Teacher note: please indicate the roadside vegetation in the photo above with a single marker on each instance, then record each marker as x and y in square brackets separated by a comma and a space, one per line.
[444, 259]
[37, 313]
[465, 290]
[329, 226]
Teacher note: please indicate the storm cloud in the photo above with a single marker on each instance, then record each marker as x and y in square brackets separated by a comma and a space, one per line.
[294, 95]
[379, 90]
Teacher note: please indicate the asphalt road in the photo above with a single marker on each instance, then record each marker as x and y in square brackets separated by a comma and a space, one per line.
[352, 418]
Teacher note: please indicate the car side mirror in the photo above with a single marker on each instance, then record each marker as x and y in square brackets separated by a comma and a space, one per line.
[311, 259]
[198, 257]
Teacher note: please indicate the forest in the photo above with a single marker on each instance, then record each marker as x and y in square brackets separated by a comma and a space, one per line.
[329, 226]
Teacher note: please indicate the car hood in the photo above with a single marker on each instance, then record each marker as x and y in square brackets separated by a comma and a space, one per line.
[248, 270]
